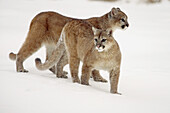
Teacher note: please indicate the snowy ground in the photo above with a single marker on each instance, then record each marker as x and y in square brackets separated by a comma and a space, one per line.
[145, 71]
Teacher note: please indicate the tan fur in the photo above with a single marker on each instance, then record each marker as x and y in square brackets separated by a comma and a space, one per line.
[80, 46]
[12, 56]
[79, 42]
[46, 28]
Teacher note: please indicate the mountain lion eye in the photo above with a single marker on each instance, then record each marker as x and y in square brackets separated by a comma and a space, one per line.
[123, 20]
[95, 40]
[103, 40]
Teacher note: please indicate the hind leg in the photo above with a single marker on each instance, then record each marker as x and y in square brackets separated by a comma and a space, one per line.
[60, 65]
[26, 50]
[19, 66]
[49, 50]
[32, 43]
[74, 66]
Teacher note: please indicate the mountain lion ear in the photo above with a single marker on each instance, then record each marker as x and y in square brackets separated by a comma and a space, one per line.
[109, 32]
[118, 8]
[114, 11]
[95, 30]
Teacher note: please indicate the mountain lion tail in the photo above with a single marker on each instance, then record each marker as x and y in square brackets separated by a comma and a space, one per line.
[12, 56]
[54, 58]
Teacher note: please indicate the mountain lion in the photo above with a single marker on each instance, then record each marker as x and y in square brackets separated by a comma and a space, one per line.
[96, 48]
[46, 28]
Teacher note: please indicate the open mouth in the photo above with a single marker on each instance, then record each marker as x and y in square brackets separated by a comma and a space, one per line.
[99, 49]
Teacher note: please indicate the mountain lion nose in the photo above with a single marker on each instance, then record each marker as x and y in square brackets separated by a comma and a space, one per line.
[127, 25]
[98, 45]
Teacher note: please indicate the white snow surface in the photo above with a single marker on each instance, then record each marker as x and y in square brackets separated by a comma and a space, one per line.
[145, 69]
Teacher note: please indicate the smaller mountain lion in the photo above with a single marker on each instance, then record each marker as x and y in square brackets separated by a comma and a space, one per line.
[96, 48]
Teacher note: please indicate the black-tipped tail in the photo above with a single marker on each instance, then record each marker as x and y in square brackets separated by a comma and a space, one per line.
[12, 56]
[38, 61]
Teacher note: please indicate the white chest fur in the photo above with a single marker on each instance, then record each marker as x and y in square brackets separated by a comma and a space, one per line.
[106, 65]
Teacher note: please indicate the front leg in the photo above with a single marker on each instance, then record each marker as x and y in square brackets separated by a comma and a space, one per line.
[97, 77]
[114, 78]
[74, 66]
[86, 72]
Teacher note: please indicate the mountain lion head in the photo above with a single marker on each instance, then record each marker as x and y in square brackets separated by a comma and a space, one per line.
[103, 39]
[118, 17]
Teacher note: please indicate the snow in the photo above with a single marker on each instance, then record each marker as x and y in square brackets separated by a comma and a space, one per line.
[145, 69]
